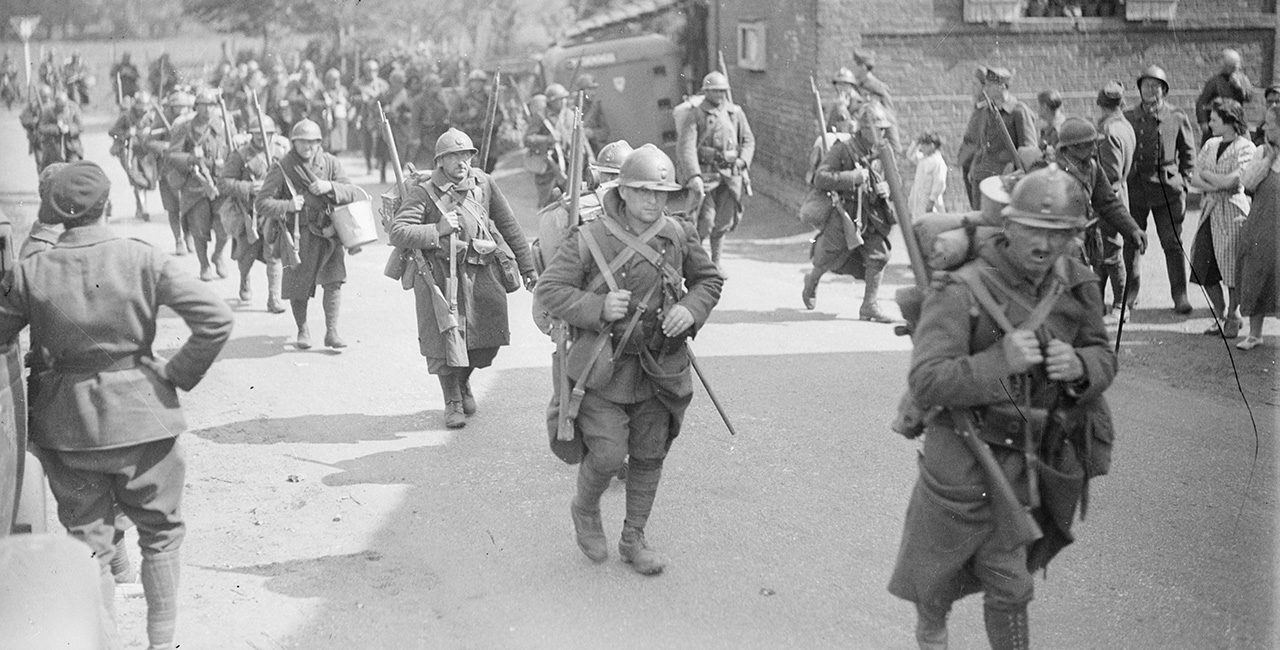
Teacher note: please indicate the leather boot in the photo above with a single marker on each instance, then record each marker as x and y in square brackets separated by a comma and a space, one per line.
[218, 258]
[717, 242]
[246, 265]
[870, 310]
[300, 318]
[332, 302]
[584, 510]
[454, 417]
[1007, 627]
[642, 488]
[468, 399]
[809, 294]
[160, 586]
[275, 274]
[202, 255]
[1177, 283]
[931, 628]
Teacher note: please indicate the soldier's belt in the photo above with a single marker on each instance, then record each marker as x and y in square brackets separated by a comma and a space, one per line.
[98, 363]
[1010, 426]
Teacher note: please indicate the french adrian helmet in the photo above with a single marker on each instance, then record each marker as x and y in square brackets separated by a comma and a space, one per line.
[612, 155]
[305, 130]
[715, 81]
[453, 140]
[1048, 198]
[1075, 130]
[1155, 72]
[650, 169]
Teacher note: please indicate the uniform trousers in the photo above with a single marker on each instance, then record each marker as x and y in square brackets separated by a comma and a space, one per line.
[612, 431]
[144, 481]
[719, 213]
[1167, 206]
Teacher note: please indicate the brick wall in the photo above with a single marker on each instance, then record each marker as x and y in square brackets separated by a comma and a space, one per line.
[928, 54]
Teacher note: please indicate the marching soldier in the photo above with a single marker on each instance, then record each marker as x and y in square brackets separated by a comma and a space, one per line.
[984, 144]
[369, 90]
[647, 308]
[98, 454]
[399, 111]
[714, 148]
[852, 168]
[461, 206]
[178, 109]
[429, 118]
[30, 119]
[253, 238]
[301, 190]
[1009, 347]
[545, 144]
[593, 122]
[138, 165]
[59, 129]
[848, 102]
[197, 151]
[473, 113]
[1162, 165]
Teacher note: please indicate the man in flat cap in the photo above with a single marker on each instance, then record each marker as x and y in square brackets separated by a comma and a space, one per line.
[92, 302]
[1116, 144]
[998, 112]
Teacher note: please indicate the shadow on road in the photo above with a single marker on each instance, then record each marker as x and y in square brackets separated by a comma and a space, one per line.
[254, 347]
[336, 429]
[780, 315]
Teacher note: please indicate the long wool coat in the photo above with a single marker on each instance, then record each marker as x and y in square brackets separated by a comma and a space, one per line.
[482, 301]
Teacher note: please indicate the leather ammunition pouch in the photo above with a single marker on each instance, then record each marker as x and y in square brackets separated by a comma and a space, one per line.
[1010, 426]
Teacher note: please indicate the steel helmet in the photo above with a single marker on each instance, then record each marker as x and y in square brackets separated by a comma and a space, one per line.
[715, 81]
[478, 75]
[650, 169]
[844, 76]
[873, 114]
[1075, 130]
[305, 130]
[611, 155]
[1048, 198]
[180, 99]
[555, 91]
[208, 96]
[453, 140]
[1157, 73]
[268, 125]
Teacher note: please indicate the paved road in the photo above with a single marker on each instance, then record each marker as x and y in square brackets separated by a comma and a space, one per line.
[329, 508]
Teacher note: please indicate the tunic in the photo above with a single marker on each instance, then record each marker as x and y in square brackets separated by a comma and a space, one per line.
[851, 168]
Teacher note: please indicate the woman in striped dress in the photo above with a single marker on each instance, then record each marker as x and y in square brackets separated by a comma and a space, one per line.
[1217, 174]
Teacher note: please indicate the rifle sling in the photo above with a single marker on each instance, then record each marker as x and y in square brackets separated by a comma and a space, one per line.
[625, 255]
[642, 248]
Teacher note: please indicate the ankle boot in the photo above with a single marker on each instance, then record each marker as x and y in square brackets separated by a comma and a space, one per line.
[219, 258]
[642, 488]
[584, 510]
[275, 273]
[1178, 284]
[468, 399]
[245, 265]
[454, 417]
[717, 242]
[332, 302]
[202, 255]
[1007, 627]
[300, 318]
[635, 551]
[809, 294]
[160, 586]
[870, 310]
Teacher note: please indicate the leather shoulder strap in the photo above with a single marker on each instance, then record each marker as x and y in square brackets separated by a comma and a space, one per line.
[598, 256]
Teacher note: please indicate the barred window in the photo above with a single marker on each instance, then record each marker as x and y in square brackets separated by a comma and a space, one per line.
[1008, 11]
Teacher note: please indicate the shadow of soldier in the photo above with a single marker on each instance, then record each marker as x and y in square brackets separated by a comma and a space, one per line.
[328, 429]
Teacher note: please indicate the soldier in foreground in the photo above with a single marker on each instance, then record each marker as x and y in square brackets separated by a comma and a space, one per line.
[1010, 349]
[92, 303]
[649, 306]
[852, 169]
[460, 206]
[714, 147]
[308, 183]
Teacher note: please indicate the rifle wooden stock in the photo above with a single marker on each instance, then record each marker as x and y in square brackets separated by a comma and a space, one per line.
[852, 227]
[226, 125]
[565, 430]
[491, 115]
[1014, 523]
[1005, 136]
[393, 150]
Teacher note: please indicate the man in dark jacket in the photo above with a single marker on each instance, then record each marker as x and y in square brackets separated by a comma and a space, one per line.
[92, 303]
[460, 205]
[1230, 81]
[984, 149]
[648, 307]
[1162, 164]
[302, 189]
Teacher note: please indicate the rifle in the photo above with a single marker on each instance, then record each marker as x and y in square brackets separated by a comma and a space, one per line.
[1014, 522]
[746, 176]
[492, 114]
[262, 127]
[852, 228]
[565, 429]
[1006, 137]
[119, 91]
[226, 126]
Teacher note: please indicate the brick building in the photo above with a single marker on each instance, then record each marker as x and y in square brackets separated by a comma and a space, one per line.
[928, 51]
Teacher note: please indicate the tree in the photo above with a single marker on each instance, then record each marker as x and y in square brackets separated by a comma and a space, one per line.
[249, 17]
